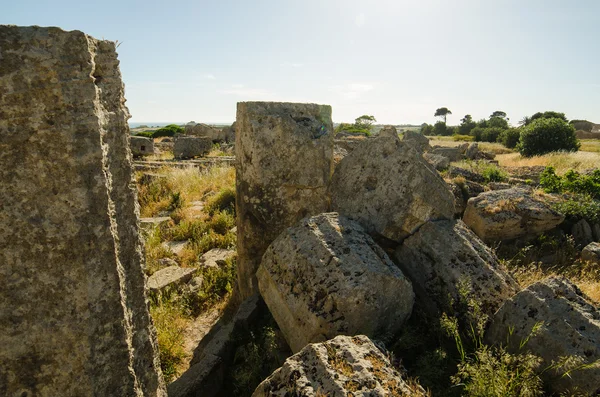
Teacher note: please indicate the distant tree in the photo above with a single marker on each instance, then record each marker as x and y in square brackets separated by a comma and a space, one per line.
[440, 128]
[365, 121]
[498, 113]
[426, 129]
[549, 114]
[498, 122]
[442, 112]
[525, 120]
[466, 125]
[545, 135]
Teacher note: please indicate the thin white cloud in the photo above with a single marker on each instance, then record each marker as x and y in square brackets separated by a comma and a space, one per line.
[352, 90]
[210, 76]
[241, 91]
[360, 20]
[291, 65]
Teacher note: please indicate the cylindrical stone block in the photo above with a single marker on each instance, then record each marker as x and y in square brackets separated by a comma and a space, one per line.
[74, 319]
[284, 162]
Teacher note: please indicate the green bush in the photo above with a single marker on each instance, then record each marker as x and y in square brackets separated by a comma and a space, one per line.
[510, 137]
[491, 173]
[440, 129]
[547, 135]
[580, 207]
[486, 134]
[222, 201]
[571, 182]
[466, 138]
[146, 134]
[169, 130]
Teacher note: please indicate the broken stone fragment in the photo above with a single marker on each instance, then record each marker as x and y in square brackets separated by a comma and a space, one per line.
[510, 213]
[389, 188]
[169, 278]
[326, 277]
[568, 325]
[343, 366]
[445, 259]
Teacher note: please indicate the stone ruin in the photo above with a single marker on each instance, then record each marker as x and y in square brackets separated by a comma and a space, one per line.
[77, 322]
[333, 254]
[141, 146]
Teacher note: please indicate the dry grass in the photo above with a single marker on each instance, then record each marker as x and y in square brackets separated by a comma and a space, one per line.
[561, 161]
[590, 145]
[195, 185]
[447, 141]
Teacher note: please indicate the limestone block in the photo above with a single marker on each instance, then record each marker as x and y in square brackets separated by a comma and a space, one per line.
[284, 155]
[74, 319]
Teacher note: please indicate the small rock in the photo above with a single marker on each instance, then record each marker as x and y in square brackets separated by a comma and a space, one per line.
[472, 151]
[452, 153]
[176, 247]
[151, 223]
[439, 162]
[454, 172]
[582, 233]
[596, 231]
[166, 262]
[591, 253]
[187, 147]
[417, 140]
[170, 277]
[571, 327]
[499, 186]
[511, 213]
[344, 366]
[216, 257]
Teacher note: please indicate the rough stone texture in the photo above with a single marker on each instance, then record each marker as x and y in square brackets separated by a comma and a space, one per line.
[439, 162]
[596, 231]
[389, 189]
[452, 153]
[443, 257]
[455, 172]
[344, 366]
[71, 254]
[389, 131]
[582, 233]
[202, 130]
[151, 223]
[472, 151]
[499, 186]
[591, 253]
[168, 278]
[327, 277]
[571, 328]
[230, 133]
[187, 147]
[417, 140]
[284, 163]
[216, 257]
[141, 146]
[462, 192]
[510, 213]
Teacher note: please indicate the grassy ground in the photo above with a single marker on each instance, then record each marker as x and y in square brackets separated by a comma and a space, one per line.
[561, 161]
[202, 211]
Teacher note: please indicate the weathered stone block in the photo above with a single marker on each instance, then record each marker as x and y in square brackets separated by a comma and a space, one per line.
[344, 366]
[187, 147]
[326, 277]
[169, 278]
[74, 319]
[445, 259]
[141, 146]
[388, 187]
[284, 155]
[569, 326]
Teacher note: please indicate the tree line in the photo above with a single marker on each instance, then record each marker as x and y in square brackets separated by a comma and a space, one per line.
[543, 132]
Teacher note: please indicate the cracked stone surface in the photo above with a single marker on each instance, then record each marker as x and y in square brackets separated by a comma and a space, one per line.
[70, 251]
[326, 277]
[284, 154]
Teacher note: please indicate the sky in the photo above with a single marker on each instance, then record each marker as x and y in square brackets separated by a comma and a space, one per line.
[396, 60]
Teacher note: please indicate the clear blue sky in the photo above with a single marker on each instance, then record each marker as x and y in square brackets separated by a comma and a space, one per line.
[397, 60]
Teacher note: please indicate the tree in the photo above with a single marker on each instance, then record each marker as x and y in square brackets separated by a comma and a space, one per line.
[466, 125]
[498, 113]
[364, 122]
[549, 114]
[442, 112]
[525, 120]
[426, 129]
[440, 128]
[498, 122]
[545, 135]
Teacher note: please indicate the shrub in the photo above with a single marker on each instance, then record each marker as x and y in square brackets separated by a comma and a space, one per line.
[510, 137]
[547, 135]
[491, 173]
[146, 134]
[426, 129]
[580, 207]
[466, 138]
[571, 182]
[169, 130]
[439, 128]
[222, 201]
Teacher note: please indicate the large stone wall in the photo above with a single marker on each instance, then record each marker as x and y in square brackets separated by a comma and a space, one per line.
[284, 155]
[73, 314]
